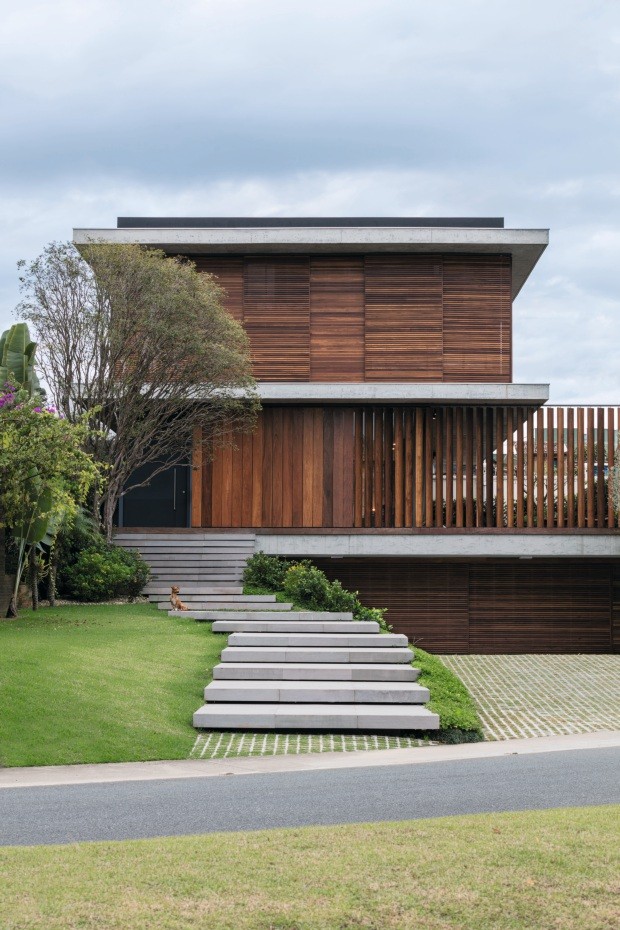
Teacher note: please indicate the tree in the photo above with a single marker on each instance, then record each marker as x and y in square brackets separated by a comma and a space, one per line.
[144, 339]
[44, 472]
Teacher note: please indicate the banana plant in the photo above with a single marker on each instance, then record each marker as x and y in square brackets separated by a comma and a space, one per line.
[17, 359]
[38, 527]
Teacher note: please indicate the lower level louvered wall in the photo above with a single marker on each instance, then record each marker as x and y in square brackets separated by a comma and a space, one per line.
[502, 606]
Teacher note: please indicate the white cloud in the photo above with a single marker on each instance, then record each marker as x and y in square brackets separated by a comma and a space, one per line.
[283, 107]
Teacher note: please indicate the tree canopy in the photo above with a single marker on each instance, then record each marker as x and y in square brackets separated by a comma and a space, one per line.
[142, 338]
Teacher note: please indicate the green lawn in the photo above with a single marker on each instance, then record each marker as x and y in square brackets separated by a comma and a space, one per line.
[539, 869]
[101, 684]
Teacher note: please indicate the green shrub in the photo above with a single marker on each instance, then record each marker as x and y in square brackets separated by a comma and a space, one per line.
[308, 586]
[266, 571]
[103, 572]
[459, 720]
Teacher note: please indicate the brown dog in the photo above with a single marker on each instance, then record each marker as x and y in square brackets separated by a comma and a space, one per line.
[175, 600]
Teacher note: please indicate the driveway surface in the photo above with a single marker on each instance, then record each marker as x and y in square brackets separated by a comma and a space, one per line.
[542, 695]
[132, 809]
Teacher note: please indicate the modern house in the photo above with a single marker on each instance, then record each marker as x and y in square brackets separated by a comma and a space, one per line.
[393, 446]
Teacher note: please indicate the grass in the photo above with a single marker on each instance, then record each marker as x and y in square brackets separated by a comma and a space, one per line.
[101, 683]
[459, 720]
[542, 869]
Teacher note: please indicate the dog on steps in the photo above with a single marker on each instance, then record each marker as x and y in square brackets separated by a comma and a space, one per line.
[175, 600]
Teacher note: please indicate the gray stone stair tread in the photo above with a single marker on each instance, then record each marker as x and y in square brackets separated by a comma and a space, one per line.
[331, 671]
[329, 692]
[308, 616]
[318, 654]
[295, 626]
[324, 640]
[375, 717]
[203, 611]
[238, 600]
[192, 587]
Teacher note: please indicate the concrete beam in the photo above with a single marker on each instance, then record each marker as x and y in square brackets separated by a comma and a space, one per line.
[442, 545]
[397, 393]
[525, 245]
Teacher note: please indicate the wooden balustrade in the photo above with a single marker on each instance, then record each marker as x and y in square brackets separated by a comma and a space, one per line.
[417, 466]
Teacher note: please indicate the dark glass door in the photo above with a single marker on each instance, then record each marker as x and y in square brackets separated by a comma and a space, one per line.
[164, 501]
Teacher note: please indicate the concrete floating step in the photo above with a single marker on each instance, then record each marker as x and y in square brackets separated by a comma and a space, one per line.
[295, 626]
[273, 613]
[325, 717]
[195, 587]
[207, 609]
[320, 640]
[308, 671]
[219, 601]
[317, 654]
[313, 692]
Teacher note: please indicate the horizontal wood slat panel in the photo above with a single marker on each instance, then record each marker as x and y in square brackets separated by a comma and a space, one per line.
[403, 318]
[387, 317]
[428, 602]
[477, 318]
[276, 315]
[229, 275]
[502, 606]
[337, 319]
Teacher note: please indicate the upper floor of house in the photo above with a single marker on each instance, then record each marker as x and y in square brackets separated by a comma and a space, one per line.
[362, 301]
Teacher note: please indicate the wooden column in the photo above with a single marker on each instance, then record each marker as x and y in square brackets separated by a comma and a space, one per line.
[449, 468]
[510, 469]
[581, 472]
[428, 466]
[530, 468]
[611, 452]
[540, 468]
[458, 416]
[550, 468]
[479, 441]
[409, 465]
[561, 468]
[439, 514]
[499, 479]
[600, 467]
[590, 468]
[469, 467]
[570, 467]
[419, 467]
[520, 471]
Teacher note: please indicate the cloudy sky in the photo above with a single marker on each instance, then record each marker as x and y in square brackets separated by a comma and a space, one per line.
[332, 107]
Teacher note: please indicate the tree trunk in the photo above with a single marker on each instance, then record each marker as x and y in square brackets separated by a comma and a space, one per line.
[12, 608]
[109, 507]
[51, 580]
[34, 581]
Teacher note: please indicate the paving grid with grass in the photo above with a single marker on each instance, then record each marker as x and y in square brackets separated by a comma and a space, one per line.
[541, 695]
[223, 745]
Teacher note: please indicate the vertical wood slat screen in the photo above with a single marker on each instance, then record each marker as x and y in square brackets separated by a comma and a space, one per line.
[379, 317]
[414, 467]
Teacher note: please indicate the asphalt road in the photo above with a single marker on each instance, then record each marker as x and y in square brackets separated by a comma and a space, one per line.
[133, 810]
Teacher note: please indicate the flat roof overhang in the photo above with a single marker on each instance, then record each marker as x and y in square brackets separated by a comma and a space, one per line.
[524, 245]
[318, 392]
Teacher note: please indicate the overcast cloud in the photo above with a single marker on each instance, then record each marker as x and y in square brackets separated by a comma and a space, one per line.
[346, 107]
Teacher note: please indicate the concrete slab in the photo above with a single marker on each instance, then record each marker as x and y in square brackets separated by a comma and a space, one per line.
[279, 671]
[324, 717]
[320, 640]
[295, 626]
[332, 654]
[329, 692]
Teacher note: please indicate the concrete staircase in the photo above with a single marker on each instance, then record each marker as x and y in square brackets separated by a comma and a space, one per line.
[207, 567]
[308, 670]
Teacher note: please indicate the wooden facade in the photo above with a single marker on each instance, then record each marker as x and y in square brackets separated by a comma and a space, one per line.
[492, 606]
[392, 467]
[380, 317]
